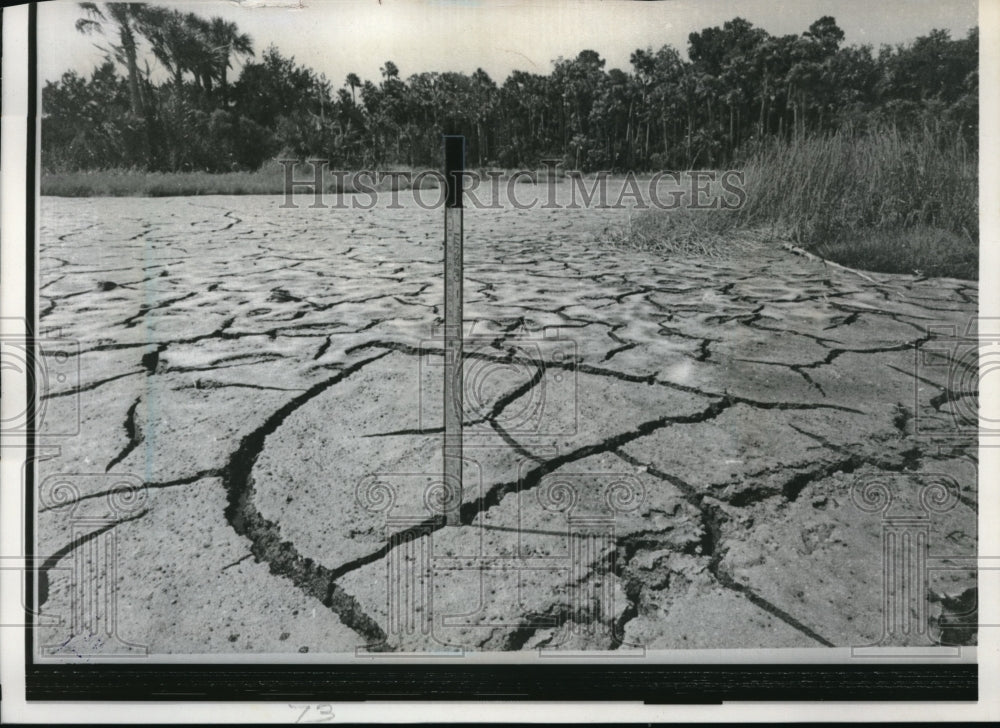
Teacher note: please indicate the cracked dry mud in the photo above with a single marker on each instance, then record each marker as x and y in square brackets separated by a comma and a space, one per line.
[659, 452]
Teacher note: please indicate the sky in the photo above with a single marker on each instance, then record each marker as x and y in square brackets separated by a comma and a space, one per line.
[336, 37]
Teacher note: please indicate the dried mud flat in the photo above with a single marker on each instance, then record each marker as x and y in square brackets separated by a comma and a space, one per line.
[660, 453]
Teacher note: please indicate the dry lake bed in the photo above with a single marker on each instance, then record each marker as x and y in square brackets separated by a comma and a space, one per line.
[660, 452]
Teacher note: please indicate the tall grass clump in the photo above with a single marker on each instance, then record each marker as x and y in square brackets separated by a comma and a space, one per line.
[884, 201]
[821, 188]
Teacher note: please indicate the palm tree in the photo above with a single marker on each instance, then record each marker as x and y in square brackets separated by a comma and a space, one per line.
[354, 82]
[225, 41]
[389, 70]
[202, 58]
[188, 43]
[171, 40]
[128, 18]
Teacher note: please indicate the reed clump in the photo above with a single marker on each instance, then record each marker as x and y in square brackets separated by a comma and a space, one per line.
[883, 201]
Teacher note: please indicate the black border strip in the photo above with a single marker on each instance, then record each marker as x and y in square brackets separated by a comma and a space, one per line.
[649, 683]
[31, 153]
[454, 166]
[229, 682]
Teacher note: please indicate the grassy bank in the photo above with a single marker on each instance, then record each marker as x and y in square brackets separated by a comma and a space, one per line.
[128, 183]
[268, 180]
[881, 202]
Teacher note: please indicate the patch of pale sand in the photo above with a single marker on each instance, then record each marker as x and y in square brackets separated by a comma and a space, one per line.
[683, 372]
[649, 358]
[825, 535]
[635, 329]
[754, 381]
[186, 584]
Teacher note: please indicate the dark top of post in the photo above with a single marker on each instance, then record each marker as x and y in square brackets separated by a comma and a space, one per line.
[454, 165]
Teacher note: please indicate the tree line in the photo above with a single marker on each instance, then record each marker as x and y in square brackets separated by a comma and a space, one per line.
[738, 88]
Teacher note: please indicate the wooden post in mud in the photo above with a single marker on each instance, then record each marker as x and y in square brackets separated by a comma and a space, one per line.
[454, 165]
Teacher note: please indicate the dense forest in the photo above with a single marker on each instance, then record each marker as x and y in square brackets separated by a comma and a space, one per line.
[737, 88]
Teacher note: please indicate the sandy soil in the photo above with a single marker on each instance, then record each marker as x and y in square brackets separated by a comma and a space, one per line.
[660, 453]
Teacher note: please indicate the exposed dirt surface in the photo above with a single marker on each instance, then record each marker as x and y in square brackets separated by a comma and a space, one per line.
[659, 453]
